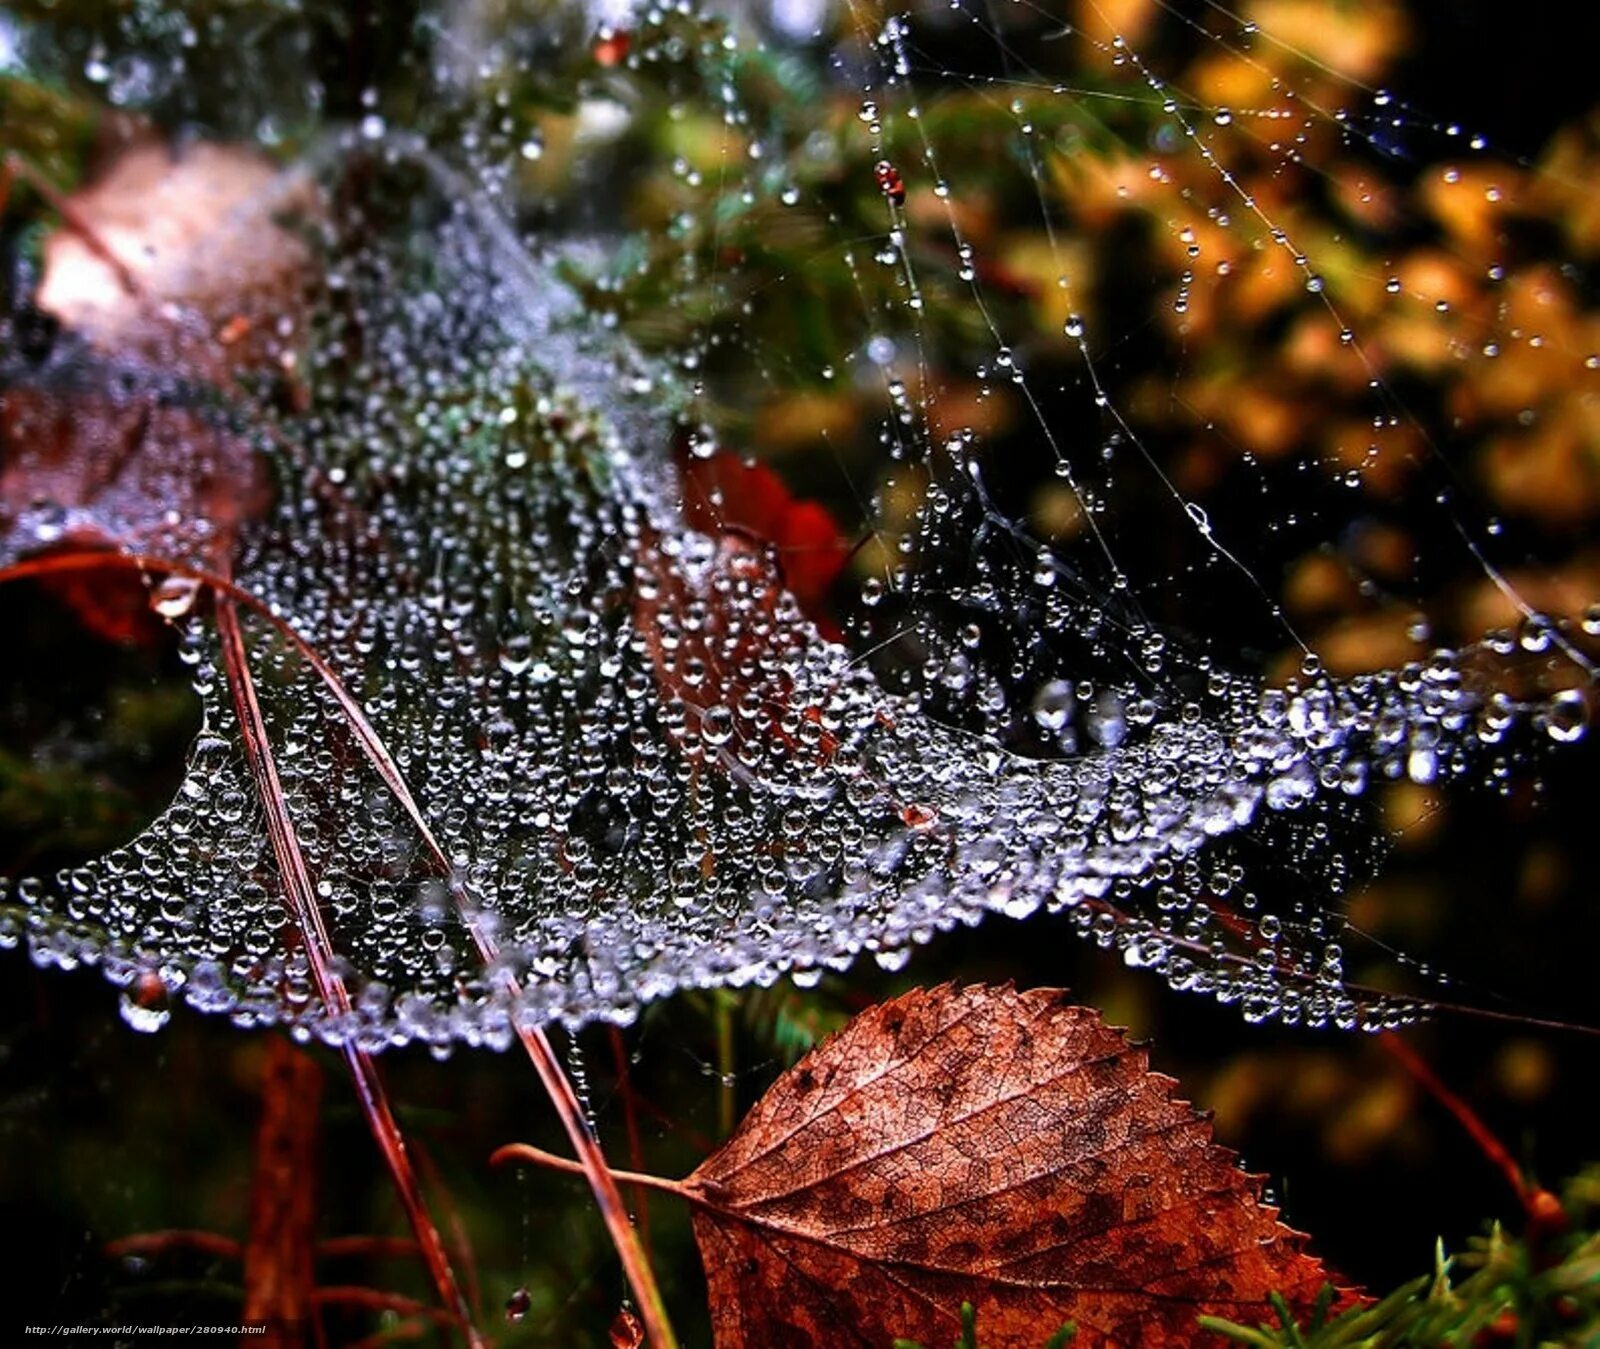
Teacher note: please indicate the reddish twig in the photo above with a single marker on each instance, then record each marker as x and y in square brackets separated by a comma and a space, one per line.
[370, 1247]
[1303, 978]
[335, 997]
[278, 1273]
[1536, 1202]
[635, 1263]
[602, 1180]
[159, 1243]
[630, 1116]
[526, 1152]
[15, 166]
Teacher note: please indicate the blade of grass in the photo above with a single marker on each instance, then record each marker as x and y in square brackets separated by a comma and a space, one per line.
[635, 1263]
[335, 997]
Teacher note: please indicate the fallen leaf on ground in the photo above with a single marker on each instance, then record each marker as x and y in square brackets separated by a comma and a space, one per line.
[986, 1146]
[173, 273]
[185, 257]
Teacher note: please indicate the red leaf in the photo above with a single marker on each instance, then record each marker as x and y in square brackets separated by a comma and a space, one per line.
[725, 493]
[987, 1146]
[175, 273]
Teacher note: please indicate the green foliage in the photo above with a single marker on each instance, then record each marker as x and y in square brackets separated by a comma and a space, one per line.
[791, 1020]
[51, 128]
[1538, 1289]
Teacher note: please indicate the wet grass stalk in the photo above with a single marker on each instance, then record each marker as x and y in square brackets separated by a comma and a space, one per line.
[229, 598]
[1542, 1207]
[630, 1115]
[301, 895]
[279, 1275]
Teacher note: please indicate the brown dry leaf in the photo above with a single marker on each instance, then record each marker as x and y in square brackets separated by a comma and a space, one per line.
[181, 256]
[175, 271]
[987, 1146]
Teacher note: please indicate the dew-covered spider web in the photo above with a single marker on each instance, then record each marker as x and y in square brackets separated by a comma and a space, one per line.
[656, 500]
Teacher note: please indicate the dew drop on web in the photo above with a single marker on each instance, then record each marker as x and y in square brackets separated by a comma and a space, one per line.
[667, 729]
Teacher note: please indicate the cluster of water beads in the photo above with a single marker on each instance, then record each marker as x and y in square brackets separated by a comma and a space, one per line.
[647, 769]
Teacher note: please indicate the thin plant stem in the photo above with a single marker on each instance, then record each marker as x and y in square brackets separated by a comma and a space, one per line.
[722, 1014]
[1465, 1115]
[635, 1263]
[630, 1116]
[526, 1152]
[301, 894]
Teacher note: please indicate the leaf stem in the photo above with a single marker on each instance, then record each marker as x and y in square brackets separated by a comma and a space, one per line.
[526, 1152]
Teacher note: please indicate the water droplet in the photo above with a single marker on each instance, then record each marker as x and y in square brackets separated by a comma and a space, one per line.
[145, 1005]
[717, 725]
[174, 597]
[1567, 716]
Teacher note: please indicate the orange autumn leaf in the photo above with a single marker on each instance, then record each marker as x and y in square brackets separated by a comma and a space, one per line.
[987, 1146]
[981, 1145]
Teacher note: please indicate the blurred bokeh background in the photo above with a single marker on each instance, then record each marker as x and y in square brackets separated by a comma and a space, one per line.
[1436, 168]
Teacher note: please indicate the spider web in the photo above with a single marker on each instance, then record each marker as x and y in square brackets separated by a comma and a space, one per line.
[1171, 430]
